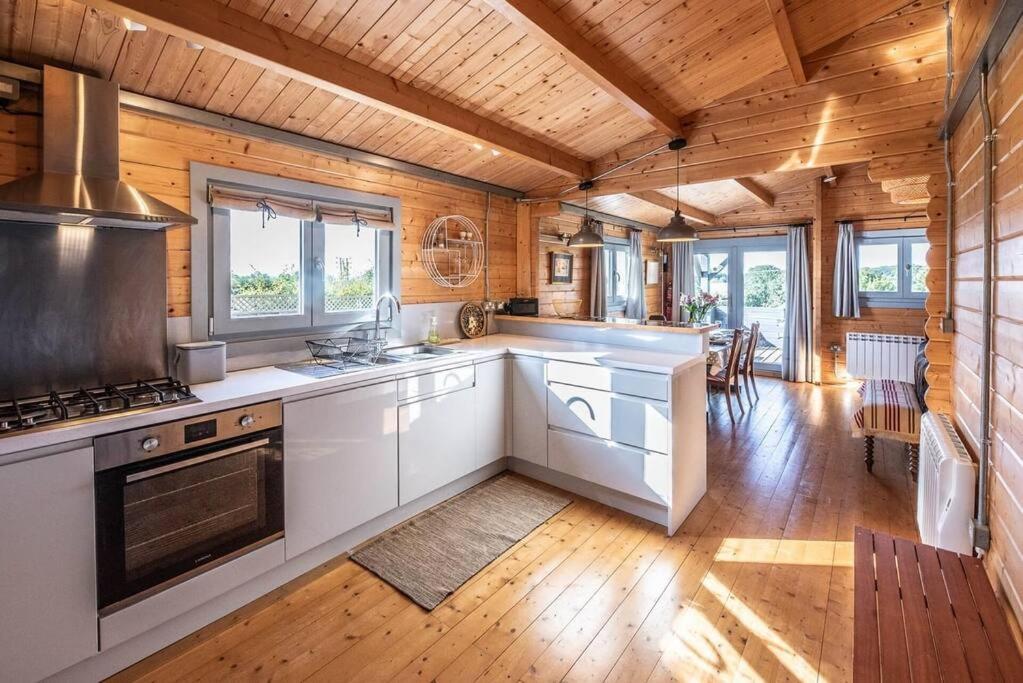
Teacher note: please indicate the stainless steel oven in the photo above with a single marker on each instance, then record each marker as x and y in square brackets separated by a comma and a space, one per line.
[177, 499]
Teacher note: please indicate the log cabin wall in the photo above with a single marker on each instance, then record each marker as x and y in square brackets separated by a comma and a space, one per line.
[155, 157]
[1004, 561]
[579, 289]
[852, 196]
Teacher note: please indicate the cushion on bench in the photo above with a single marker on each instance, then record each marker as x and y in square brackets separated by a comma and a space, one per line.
[888, 409]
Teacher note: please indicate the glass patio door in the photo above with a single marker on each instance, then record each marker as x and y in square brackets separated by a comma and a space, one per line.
[749, 277]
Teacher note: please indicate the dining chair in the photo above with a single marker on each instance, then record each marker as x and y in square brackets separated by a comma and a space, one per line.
[746, 366]
[728, 377]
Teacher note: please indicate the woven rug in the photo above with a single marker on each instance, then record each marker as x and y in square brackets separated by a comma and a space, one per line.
[430, 556]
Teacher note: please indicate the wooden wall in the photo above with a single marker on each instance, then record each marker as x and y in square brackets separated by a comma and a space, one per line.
[1005, 559]
[155, 156]
[548, 292]
[852, 196]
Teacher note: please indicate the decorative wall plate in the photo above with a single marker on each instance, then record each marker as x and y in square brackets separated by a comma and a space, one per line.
[472, 320]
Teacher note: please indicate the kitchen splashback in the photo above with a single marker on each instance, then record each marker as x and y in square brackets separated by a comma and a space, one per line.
[80, 307]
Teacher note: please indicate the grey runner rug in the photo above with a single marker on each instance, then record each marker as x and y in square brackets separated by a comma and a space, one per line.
[431, 555]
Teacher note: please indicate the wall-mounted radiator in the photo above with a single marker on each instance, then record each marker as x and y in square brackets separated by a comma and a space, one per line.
[946, 486]
[881, 356]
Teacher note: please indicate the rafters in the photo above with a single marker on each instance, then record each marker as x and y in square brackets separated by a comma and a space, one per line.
[780, 17]
[534, 17]
[243, 37]
[690, 212]
[758, 193]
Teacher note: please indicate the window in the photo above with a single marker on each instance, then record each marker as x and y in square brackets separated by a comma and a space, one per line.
[892, 268]
[288, 258]
[616, 269]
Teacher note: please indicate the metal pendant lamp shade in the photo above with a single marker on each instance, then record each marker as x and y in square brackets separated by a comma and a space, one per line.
[677, 230]
[586, 238]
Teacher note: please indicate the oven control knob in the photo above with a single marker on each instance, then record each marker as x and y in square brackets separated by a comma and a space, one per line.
[247, 421]
[150, 444]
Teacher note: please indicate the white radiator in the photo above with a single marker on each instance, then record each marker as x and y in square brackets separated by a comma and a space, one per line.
[946, 486]
[881, 356]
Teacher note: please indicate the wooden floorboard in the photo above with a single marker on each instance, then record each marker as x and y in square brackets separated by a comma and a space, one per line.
[757, 584]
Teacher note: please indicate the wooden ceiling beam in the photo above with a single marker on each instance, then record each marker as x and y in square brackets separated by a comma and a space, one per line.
[246, 38]
[537, 19]
[782, 27]
[690, 212]
[758, 193]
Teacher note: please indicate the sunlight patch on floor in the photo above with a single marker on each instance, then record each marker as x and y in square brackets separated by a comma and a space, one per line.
[788, 552]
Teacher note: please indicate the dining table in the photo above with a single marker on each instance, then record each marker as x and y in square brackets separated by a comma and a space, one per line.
[719, 350]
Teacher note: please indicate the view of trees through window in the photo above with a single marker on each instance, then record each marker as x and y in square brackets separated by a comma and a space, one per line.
[267, 281]
[765, 286]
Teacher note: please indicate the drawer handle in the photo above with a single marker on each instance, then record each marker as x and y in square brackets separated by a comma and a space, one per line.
[580, 399]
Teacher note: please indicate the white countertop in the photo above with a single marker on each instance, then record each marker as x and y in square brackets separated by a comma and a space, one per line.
[244, 387]
[614, 323]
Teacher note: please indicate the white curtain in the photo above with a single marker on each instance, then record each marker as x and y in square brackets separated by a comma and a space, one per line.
[683, 277]
[598, 278]
[845, 295]
[797, 347]
[635, 302]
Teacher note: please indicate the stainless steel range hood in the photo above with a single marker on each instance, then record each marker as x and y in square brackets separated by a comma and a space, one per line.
[80, 182]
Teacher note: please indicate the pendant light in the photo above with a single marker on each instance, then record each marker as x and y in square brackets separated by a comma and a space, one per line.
[677, 230]
[587, 236]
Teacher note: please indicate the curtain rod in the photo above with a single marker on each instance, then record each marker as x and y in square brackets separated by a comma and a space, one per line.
[736, 228]
[889, 218]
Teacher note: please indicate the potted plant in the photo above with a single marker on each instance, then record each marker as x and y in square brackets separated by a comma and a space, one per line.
[697, 307]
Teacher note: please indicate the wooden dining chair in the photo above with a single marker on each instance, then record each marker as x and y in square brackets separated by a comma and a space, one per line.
[746, 366]
[728, 377]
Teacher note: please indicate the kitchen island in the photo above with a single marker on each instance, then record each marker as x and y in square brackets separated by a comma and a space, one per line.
[363, 451]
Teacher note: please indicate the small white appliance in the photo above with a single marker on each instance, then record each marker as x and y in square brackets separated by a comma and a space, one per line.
[946, 488]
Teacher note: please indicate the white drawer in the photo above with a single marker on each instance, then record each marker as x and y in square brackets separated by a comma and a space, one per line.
[631, 382]
[638, 422]
[439, 382]
[639, 473]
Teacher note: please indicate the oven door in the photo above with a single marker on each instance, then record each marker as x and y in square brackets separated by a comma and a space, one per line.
[162, 521]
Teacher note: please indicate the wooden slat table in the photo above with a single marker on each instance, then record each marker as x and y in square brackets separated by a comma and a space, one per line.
[924, 614]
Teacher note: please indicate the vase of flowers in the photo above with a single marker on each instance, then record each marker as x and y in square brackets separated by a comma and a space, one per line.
[697, 307]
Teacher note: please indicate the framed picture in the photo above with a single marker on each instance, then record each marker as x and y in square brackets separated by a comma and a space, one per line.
[653, 272]
[561, 267]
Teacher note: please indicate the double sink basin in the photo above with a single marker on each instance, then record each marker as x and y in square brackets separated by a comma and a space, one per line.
[390, 356]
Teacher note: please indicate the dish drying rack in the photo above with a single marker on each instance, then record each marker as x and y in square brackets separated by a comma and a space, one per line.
[339, 352]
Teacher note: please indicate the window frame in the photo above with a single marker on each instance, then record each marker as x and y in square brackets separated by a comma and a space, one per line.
[615, 248]
[904, 297]
[210, 262]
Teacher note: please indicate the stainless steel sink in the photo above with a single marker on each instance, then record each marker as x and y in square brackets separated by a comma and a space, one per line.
[416, 352]
[392, 356]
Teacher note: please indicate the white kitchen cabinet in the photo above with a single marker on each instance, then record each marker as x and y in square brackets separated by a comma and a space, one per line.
[491, 411]
[629, 420]
[436, 442]
[529, 410]
[340, 463]
[48, 615]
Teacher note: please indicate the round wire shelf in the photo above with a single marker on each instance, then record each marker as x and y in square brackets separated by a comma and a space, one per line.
[453, 251]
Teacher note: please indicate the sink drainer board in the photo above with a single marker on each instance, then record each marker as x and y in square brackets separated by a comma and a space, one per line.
[431, 555]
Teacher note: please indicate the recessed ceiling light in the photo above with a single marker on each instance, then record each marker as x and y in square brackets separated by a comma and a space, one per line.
[495, 152]
[133, 25]
[192, 45]
[477, 146]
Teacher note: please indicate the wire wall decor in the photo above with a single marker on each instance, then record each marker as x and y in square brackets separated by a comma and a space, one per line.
[453, 251]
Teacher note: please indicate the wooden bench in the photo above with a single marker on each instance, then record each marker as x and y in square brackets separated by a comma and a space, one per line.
[890, 410]
[924, 614]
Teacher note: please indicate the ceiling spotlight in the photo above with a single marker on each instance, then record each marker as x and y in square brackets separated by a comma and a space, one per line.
[133, 25]
[830, 178]
[477, 146]
[495, 152]
[192, 45]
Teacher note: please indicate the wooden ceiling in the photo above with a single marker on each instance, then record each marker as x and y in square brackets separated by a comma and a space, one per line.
[528, 94]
